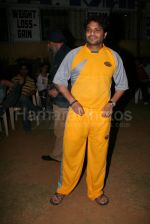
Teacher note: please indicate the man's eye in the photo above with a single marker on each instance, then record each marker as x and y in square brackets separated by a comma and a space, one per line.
[94, 31]
[97, 30]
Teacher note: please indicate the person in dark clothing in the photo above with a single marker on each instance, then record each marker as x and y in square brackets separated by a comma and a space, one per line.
[9, 94]
[60, 105]
[59, 49]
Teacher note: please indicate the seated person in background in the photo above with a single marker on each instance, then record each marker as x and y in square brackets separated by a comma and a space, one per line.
[5, 82]
[42, 83]
[3, 86]
[9, 93]
[25, 100]
[3, 92]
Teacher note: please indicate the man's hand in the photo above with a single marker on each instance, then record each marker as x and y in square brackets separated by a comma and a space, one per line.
[107, 110]
[53, 92]
[77, 108]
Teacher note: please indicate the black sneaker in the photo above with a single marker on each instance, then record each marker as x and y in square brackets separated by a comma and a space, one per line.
[49, 158]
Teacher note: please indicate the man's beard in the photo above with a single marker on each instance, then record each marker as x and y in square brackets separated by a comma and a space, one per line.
[53, 50]
[96, 43]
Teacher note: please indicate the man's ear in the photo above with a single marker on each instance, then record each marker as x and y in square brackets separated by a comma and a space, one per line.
[105, 35]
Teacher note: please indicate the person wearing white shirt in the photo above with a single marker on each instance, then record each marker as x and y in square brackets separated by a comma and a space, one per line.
[42, 83]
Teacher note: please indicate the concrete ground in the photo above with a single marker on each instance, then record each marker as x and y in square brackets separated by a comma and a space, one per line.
[27, 181]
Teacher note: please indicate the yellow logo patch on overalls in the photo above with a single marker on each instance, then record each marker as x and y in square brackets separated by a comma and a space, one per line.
[107, 63]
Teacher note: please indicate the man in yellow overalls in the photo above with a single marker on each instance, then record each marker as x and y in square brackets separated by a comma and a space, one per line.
[91, 68]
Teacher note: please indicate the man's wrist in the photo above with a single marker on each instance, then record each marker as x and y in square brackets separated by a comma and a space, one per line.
[74, 101]
[113, 103]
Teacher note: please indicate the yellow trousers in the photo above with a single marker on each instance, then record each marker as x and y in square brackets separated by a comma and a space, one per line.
[91, 127]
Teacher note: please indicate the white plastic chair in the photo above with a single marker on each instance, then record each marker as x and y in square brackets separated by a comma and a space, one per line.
[137, 96]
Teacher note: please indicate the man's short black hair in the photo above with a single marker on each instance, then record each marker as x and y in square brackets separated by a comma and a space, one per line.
[102, 21]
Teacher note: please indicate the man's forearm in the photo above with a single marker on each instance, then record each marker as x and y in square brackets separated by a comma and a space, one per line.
[117, 95]
[65, 92]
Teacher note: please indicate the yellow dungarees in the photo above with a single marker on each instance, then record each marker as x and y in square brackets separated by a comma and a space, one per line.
[92, 90]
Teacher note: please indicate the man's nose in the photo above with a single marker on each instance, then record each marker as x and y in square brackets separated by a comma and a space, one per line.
[92, 32]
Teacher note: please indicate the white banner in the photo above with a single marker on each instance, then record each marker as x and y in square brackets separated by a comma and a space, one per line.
[25, 24]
